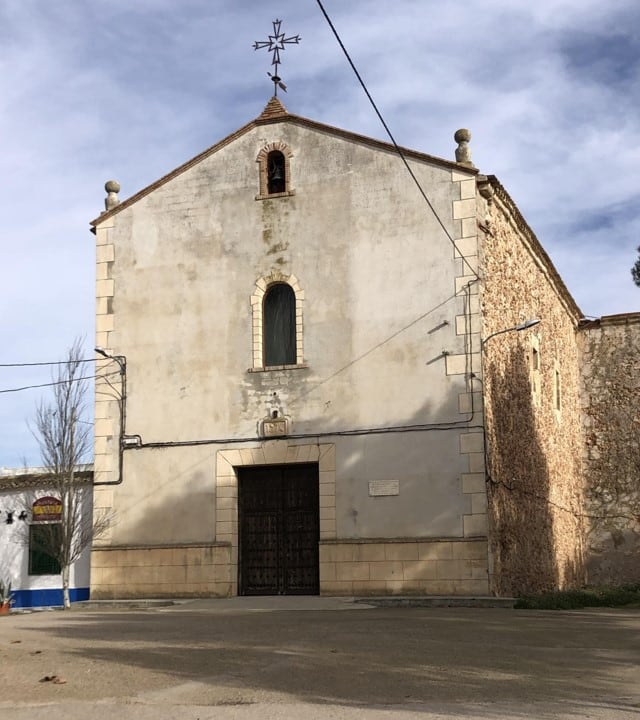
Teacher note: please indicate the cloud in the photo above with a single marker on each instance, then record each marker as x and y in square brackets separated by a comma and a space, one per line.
[124, 90]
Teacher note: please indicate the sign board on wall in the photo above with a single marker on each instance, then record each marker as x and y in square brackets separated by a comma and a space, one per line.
[46, 509]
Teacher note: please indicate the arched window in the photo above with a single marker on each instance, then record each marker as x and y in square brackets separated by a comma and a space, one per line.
[279, 325]
[276, 173]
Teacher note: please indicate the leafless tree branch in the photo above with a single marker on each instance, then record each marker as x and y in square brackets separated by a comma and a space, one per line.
[65, 443]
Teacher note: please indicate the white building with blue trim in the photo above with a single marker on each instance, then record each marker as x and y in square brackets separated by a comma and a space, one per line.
[29, 507]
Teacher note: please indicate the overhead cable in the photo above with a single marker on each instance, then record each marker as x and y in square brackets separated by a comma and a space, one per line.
[395, 144]
[56, 382]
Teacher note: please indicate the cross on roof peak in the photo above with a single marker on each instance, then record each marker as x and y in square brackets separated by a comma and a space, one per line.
[275, 44]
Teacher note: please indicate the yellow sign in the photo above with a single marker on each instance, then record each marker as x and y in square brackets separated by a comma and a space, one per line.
[46, 509]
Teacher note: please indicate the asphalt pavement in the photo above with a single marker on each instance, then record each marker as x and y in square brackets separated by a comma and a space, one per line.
[312, 658]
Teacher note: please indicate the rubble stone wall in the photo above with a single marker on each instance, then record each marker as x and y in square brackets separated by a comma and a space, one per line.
[532, 412]
[611, 416]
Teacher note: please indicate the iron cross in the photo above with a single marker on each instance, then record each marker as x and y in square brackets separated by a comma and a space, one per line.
[274, 44]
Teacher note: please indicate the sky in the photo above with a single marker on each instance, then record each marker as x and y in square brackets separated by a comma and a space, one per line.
[95, 90]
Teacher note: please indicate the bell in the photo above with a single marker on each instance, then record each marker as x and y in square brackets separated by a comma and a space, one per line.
[276, 173]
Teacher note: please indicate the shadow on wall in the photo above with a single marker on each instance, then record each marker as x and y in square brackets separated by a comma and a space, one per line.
[521, 513]
[176, 486]
[166, 493]
[427, 464]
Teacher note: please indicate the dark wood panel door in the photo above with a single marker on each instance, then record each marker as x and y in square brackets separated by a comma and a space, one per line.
[279, 529]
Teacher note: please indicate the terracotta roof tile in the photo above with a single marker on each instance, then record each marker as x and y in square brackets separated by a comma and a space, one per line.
[273, 109]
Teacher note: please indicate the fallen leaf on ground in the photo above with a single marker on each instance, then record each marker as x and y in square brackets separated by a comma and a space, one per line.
[55, 679]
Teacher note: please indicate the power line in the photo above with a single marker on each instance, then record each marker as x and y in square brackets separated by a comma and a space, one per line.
[393, 140]
[375, 347]
[386, 430]
[57, 382]
[56, 362]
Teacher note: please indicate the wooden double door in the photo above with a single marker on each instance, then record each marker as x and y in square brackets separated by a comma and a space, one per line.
[279, 530]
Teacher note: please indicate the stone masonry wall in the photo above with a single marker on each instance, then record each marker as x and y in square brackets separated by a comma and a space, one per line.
[409, 566]
[531, 392]
[160, 572]
[611, 416]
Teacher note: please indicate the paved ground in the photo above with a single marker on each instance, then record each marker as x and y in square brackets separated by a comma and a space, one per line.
[319, 658]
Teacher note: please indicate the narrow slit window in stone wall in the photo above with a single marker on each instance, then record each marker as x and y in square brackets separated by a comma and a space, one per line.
[557, 387]
[279, 329]
[535, 372]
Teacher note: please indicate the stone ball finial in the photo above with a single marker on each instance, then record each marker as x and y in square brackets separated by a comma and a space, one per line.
[463, 153]
[113, 188]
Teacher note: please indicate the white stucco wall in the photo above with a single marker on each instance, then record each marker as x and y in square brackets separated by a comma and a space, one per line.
[14, 548]
[380, 308]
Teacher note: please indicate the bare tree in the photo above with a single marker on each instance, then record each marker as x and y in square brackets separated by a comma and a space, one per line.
[65, 442]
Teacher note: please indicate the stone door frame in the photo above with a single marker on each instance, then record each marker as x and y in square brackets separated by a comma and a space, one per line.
[273, 452]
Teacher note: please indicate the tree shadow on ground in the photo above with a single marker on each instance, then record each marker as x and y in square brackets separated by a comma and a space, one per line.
[415, 659]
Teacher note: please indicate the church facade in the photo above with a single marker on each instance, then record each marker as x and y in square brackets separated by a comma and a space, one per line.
[312, 382]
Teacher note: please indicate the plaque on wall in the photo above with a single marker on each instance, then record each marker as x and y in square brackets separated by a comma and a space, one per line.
[381, 488]
[274, 427]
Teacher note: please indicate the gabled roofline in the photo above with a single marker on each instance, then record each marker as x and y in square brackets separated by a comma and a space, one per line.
[537, 249]
[277, 114]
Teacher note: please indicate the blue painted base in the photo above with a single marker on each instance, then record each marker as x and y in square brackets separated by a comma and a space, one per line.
[46, 598]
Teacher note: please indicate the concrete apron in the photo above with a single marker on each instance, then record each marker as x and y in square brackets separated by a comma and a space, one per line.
[270, 603]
